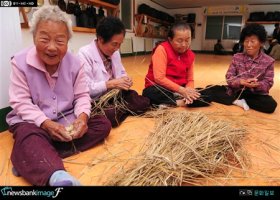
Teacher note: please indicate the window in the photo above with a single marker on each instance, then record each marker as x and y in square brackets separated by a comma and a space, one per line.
[214, 27]
[232, 27]
[126, 13]
[226, 27]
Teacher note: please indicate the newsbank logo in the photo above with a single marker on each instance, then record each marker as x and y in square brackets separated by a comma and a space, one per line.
[9, 191]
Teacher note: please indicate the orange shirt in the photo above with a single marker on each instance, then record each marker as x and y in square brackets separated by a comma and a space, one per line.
[159, 60]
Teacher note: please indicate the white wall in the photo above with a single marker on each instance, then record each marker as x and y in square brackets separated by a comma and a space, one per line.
[10, 42]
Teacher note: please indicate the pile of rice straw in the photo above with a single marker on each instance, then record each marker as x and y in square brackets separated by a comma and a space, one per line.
[184, 148]
[111, 99]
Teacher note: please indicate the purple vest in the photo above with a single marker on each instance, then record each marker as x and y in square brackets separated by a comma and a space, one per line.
[51, 102]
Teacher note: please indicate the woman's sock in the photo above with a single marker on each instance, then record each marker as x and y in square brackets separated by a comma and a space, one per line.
[63, 178]
[181, 102]
[241, 103]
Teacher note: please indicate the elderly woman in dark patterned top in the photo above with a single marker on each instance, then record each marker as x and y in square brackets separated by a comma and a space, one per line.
[51, 104]
[250, 75]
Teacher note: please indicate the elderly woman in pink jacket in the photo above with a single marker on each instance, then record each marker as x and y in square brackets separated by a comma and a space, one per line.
[51, 104]
[105, 71]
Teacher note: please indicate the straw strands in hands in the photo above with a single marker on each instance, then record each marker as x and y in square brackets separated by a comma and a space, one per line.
[111, 99]
[184, 148]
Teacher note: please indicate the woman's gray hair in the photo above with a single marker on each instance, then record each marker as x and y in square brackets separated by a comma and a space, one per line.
[52, 13]
[180, 25]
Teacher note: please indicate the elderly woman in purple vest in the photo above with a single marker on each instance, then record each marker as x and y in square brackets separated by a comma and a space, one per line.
[169, 80]
[104, 70]
[51, 104]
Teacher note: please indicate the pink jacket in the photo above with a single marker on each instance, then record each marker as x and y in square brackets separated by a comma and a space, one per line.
[36, 96]
[96, 73]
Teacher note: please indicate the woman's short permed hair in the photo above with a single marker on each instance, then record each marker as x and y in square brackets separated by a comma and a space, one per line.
[108, 27]
[50, 13]
[253, 29]
[181, 25]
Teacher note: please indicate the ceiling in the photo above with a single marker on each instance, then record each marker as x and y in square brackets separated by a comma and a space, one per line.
[173, 4]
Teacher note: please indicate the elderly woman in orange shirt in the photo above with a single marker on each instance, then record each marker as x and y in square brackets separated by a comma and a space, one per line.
[170, 76]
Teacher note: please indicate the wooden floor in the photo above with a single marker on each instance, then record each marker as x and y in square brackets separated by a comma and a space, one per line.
[95, 166]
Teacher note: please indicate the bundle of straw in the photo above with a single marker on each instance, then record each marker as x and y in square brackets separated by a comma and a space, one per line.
[112, 99]
[185, 147]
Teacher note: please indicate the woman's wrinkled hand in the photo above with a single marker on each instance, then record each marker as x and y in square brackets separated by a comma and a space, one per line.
[57, 131]
[250, 82]
[80, 126]
[123, 83]
[189, 94]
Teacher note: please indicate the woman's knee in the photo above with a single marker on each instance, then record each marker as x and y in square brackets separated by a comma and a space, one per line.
[148, 93]
[26, 131]
[100, 125]
[106, 126]
[265, 104]
[271, 107]
[140, 104]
